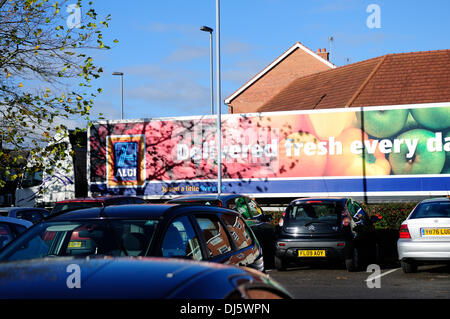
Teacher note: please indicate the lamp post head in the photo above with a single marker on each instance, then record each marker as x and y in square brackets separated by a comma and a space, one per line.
[117, 73]
[206, 29]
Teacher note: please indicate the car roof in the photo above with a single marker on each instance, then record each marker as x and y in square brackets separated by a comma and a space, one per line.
[323, 199]
[94, 199]
[206, 196]
[42, 277]
[12, 220]
[130, 211]
[435, 200]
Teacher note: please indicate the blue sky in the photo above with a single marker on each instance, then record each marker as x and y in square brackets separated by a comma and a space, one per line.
[165, 56]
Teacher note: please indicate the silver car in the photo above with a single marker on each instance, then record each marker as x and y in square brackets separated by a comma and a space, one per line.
[425, 234]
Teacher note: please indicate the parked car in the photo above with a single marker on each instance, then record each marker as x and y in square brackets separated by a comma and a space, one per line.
[249, 209]
[11, 228]
[425, 235]
[131, 278]
[68, 205]
[191, 232]
[326, 228]
[32, 214]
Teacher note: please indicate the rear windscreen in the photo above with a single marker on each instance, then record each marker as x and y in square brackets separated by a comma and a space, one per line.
[432, 210]
[307, 212]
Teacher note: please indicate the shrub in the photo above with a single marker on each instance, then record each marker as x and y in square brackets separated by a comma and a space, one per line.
[393, 213]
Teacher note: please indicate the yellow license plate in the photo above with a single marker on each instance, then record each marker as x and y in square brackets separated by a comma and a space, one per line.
[311, 253]
[74, 244]
[435, 231]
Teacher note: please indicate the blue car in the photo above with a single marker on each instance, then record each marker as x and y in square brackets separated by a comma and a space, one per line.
[199, 233]
[133, 278]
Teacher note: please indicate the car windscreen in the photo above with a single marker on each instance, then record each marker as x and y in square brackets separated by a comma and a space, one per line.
[432, 210]
[305, 213]
[67, 207]
[83, 238]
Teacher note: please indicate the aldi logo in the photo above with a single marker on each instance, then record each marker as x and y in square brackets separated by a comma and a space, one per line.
[126, 160]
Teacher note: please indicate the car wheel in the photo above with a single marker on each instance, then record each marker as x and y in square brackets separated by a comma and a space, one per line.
[280, 263]
[408, 266]
[352, 263]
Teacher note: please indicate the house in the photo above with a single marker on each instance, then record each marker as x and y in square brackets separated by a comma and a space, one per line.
[392, 79]
[296, 62]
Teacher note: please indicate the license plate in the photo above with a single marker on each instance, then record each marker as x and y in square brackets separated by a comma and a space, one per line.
[435, 231]
[311, 253]
[74, 244]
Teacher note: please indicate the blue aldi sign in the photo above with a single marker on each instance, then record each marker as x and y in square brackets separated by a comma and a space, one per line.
[126, 161]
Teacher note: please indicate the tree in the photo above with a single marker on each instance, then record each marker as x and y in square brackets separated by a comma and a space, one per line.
[45, 75]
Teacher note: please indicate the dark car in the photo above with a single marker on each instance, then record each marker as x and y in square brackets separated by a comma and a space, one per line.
[32, 214]
[68, 205]
[132, 278]
[249, 209]
[326, 228]
[191, 232]
[11, 228]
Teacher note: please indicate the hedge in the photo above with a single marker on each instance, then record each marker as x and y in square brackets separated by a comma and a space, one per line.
[393, 214]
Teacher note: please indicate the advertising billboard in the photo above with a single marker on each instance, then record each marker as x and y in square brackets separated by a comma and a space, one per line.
[374, 151]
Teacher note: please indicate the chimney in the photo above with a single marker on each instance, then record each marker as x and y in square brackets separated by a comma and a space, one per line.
[323, 54]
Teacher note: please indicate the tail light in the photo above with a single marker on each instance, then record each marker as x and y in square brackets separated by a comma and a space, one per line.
[345, 218]
[281, 221]
[404, 231]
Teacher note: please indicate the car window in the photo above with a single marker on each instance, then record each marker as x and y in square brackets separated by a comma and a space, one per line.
[20, 229]
[215, 235]
[4, 213]
[432, 210]
[6, 234]
[307, 212]
[254, 208]
[180, 240]
[32, 216]
[83, 238]
[238, 230]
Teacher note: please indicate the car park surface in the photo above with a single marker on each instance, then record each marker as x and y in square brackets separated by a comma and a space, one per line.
[174, 231]
[11, 228]
[249, 209]
[425, 235]
[32, 214]
[101, 201]
[133, 278]
[334, 229]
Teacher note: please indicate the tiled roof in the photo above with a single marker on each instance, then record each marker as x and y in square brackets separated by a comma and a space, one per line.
[393, 79]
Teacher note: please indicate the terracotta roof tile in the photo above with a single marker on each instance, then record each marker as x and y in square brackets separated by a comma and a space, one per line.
[404, 78]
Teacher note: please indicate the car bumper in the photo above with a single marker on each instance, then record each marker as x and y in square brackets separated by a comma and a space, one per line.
[408, 249]
[334, 249]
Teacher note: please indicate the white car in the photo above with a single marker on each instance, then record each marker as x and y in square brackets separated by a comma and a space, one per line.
[425, 234]
[10, 228]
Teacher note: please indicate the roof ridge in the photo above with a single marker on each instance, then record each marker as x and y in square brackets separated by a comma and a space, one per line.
[359, 90]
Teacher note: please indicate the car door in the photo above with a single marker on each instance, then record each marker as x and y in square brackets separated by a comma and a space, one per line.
[246, 250]
[181, 240]
[216, 240]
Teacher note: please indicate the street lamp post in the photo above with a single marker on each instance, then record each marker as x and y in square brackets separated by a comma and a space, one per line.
[218, 102]
[121, 88]
[210, 31]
